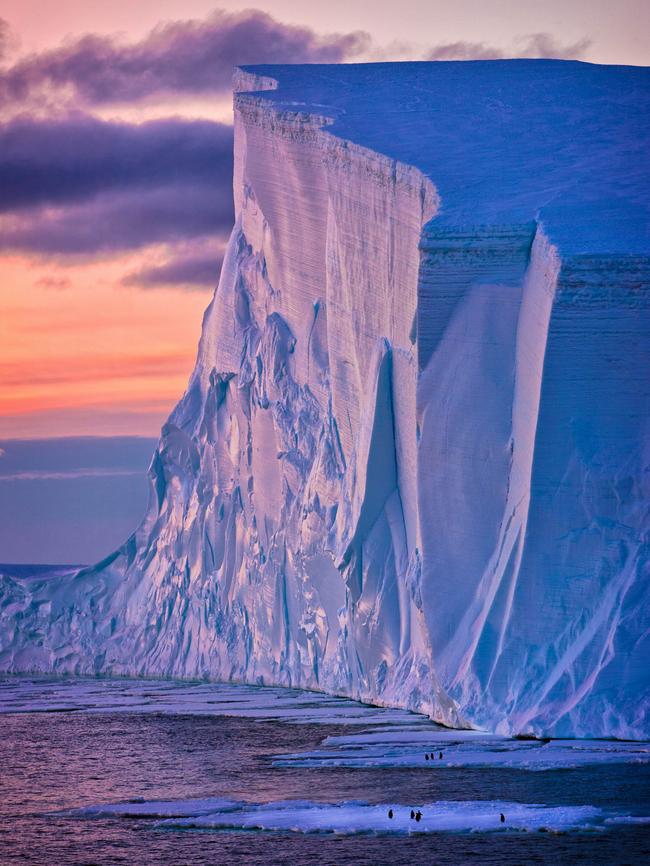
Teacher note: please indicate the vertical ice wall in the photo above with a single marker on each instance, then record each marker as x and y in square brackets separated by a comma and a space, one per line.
[533, 409]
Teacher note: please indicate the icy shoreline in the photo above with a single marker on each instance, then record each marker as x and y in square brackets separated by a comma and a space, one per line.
[373, 739]
[380, 737]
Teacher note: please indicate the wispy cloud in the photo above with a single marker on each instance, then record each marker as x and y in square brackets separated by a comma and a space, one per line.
[109, 366]
[56, 283]
[51, 475]
[192, 269]
[533, 45]
[5, 39]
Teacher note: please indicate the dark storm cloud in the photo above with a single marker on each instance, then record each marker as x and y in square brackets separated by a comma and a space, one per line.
[534, 45]
[180, 57]
[80, 185]
[123, 220]
[74, 158]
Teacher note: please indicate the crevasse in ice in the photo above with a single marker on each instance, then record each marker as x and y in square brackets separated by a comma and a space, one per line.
[410, 465]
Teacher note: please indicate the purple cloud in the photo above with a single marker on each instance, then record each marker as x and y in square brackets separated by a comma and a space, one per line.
[198, 269]
[534, 45]
[179, 57]
[124, 220]
[80, 185]
[57, 284]
[5, 39]
[75, 158]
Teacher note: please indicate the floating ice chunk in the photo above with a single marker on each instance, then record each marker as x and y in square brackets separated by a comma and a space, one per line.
[402, 747]
[358, 817]
[155, 808]
[628, 819]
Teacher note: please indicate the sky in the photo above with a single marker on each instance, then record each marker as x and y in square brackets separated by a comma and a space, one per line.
[116, 203]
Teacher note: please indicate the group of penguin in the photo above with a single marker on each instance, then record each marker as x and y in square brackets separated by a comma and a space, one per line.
[417, 816]
[432, 756]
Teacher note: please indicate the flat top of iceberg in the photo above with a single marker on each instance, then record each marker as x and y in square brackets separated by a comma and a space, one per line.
[504, 142]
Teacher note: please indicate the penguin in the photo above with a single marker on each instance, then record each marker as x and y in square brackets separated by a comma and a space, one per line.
[426, 756]
[390, 813]
[412, 814]
[418, 815]
[440, 755]
[503, 818]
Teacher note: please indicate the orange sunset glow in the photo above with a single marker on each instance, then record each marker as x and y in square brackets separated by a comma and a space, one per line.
[123, 374]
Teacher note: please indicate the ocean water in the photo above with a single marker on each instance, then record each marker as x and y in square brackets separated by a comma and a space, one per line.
[69, 745]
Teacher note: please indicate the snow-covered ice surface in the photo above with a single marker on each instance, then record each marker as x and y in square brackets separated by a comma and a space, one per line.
[305, 816]
[409, 748]
[411, 463]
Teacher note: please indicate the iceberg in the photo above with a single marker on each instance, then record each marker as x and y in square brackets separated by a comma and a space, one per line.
[411, 463]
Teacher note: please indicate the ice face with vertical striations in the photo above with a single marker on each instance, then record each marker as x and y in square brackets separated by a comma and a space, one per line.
[409, 466]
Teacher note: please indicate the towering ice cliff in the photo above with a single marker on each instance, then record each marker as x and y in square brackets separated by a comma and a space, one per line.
[409, 466]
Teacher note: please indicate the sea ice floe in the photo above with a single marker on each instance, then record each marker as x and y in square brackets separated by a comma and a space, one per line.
[155, 808]
[402, 747]
[351, 817]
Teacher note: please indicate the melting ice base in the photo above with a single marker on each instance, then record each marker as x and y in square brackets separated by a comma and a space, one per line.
[179, 698]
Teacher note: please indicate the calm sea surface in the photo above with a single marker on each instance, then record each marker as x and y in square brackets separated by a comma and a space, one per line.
[52, 761]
